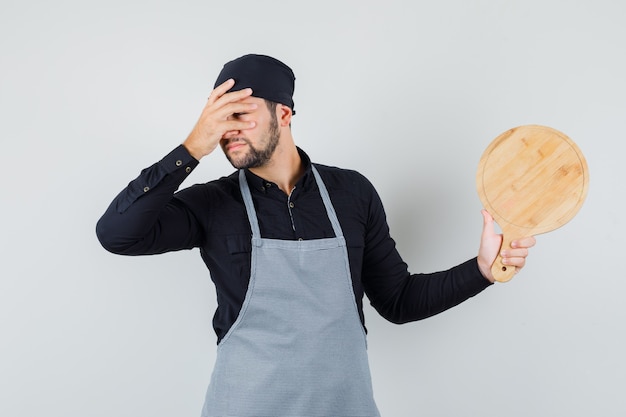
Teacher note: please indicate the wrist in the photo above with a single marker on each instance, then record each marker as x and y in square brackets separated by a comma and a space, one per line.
[194, 151]
[485, 270]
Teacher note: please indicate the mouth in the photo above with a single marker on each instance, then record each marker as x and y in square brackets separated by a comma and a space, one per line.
[234, 145]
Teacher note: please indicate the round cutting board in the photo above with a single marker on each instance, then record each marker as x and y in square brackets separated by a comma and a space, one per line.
[532, 179]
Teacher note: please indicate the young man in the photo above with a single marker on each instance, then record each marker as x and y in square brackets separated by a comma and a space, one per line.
[291, 246]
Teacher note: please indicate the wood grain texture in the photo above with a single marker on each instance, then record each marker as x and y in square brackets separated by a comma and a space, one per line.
[532, 179]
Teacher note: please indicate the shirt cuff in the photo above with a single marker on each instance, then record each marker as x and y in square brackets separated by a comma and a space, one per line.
[179, 159]
[176, 166]
[479, 280]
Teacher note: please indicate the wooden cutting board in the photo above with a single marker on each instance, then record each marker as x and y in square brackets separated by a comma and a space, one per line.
[532, 179]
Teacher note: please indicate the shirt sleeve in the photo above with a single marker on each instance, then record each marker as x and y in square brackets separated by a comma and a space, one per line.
[400, 296]
[145, 218]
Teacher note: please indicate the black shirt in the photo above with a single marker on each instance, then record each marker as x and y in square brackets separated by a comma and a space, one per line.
[150, 217]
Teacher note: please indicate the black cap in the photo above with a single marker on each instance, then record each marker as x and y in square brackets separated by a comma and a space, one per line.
[268, 77]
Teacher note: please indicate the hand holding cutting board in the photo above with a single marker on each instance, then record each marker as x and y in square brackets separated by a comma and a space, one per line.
[531, 179]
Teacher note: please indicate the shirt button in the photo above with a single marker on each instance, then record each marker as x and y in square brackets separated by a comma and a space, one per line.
[188, 170]
[146, 189]
[268, 185]
[179, 163]
[291, 205]
[300, 239]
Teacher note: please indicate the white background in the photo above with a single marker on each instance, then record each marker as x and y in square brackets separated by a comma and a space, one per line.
[409, 93]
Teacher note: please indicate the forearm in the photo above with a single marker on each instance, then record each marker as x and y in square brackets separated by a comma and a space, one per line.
[418, 296]
[144, 217]
[402, 297]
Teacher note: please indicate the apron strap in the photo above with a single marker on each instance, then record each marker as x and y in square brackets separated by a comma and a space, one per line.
[254, 222]
[247, 199]
[332, 216]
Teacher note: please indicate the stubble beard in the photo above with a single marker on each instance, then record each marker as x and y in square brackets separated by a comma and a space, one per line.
[256, 158]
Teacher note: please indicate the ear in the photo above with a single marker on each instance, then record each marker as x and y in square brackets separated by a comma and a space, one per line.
[284, 115]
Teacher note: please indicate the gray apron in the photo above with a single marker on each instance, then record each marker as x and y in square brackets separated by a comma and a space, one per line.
[297, 347]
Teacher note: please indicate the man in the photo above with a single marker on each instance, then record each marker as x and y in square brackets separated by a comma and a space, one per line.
[291, 247]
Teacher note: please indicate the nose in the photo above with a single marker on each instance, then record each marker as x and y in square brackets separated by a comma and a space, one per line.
[231, 134]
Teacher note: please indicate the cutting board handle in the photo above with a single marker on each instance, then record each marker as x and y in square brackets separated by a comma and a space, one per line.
[501, 272]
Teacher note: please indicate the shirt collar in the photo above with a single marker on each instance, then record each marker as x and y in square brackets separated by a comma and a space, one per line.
[257, 183]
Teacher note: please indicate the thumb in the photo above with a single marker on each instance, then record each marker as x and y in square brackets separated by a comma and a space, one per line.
[490, 242]
[488, 223]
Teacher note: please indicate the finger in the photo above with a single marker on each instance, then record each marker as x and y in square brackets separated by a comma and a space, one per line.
[514, 261]
[514, 253]
[525, 242]
[234, 108]
[236, 126]
[230, 134]
[232, 97]
[233, 111]
[216, 112]
[221, 89]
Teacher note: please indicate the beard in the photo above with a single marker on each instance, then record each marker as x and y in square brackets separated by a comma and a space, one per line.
[258, 157]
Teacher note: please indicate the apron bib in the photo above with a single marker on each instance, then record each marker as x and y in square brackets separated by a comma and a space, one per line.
[297, 348]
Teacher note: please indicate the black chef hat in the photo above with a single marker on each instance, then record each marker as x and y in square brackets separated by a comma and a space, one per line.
[268, 77]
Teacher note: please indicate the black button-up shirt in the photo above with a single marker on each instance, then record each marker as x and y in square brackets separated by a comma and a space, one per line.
[149, 216]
